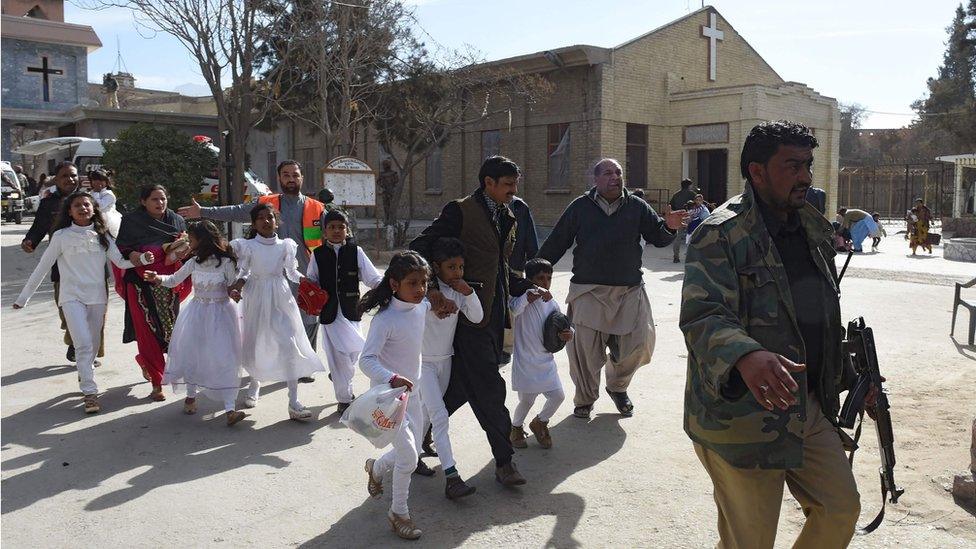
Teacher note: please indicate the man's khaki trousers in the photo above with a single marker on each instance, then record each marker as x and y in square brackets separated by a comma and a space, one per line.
[749, 500]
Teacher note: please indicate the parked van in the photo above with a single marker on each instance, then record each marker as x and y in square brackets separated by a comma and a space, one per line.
[86, 154]
[13, 195]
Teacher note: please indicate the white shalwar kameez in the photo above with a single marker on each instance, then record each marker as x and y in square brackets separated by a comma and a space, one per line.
[342, 340]
[393, 347]
[438, 348]
[533, 367]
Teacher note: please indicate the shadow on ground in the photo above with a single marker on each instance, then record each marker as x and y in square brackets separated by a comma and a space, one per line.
[578, 445]
[172, 447]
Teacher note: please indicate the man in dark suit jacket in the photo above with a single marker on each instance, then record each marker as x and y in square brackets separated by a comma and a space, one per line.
[818, 198]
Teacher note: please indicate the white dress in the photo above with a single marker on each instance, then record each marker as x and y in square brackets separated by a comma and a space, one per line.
[276, 347]
[205, 348]
[533, 367]
[106, 205]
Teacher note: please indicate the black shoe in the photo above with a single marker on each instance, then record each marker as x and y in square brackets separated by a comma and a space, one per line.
[428, 445]
[622, 402]
[306, 379]
[582, 412]
[676, 260]
[342, 407]
[456, 488]
[423, 470]
[70, 355]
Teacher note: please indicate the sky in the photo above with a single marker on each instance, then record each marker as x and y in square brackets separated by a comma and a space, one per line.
[877, 53]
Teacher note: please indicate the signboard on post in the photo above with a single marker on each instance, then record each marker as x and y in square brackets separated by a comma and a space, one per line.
[351, 180]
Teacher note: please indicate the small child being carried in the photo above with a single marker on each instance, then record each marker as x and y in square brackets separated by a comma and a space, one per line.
[533, 367]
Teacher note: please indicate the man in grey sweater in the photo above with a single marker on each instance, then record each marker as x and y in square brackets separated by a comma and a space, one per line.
[607, 301]
[298, 223]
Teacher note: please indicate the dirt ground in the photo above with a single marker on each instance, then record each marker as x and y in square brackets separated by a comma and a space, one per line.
[141, 474]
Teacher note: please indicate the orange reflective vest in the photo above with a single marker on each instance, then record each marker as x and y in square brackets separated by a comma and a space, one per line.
[311, 218]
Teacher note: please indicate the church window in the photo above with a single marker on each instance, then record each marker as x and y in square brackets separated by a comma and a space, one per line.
[273, 169]
[636, 173]
[558, 150]
[434, 169]
[491, 143]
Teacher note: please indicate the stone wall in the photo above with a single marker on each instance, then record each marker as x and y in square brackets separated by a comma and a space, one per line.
[959, 226]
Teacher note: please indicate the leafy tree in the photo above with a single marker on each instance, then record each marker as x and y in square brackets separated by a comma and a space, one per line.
[851, 115]
[143, 154]
[951, 102]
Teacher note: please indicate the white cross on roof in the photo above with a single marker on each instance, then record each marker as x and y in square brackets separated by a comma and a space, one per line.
[714, 35]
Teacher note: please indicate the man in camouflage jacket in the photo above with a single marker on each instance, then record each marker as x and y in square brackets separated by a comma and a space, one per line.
[761, 318]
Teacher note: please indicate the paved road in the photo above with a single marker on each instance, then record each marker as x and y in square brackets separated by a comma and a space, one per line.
[142, 474]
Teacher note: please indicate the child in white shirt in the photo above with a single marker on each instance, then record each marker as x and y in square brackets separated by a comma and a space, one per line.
[81, 246]
[447, 255]
[391, 355]
[533, 367]
[337, 267]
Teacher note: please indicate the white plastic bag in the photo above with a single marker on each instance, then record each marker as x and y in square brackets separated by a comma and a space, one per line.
[377, 414]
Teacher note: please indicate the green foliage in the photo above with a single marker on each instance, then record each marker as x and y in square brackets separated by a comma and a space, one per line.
[950, 106]
[146, 155]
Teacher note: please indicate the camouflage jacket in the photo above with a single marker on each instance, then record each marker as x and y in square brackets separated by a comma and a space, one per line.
[736, 299]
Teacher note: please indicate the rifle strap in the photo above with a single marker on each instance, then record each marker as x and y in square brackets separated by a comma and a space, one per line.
[857, 437]
[873, 525]
[877, 520]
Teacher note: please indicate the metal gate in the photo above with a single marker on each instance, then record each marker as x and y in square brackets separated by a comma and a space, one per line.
[891, 189]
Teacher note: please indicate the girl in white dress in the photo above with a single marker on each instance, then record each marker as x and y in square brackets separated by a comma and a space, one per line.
[102, 192]
[392, 354]
[533, 367]
[81, 247]
[205, 348]
[276, 347]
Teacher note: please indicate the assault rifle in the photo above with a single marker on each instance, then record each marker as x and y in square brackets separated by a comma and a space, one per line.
[860, 347]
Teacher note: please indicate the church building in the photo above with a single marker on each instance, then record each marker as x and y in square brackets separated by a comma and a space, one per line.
[673, 103]
[47, 93]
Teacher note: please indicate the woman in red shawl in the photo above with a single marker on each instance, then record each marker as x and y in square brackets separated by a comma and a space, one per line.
[150, 310]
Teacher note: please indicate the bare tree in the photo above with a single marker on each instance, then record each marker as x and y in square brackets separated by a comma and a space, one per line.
[333, 57]
[224, 38]
[427, 102]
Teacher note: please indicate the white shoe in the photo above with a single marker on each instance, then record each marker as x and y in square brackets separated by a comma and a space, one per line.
[301, 414]
[250, 401]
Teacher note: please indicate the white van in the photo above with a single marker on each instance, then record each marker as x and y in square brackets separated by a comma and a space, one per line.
[86, 154]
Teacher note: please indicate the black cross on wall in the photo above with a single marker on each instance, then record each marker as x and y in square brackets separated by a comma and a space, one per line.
[46, 73]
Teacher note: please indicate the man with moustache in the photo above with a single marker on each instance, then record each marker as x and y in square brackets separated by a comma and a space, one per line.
[607, 301]
[760, 313]
[301, 221]
[486, 226]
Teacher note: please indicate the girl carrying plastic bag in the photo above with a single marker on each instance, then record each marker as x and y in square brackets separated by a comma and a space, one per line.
[377, 414]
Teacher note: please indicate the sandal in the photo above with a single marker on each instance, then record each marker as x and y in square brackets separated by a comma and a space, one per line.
[189, 406]
[583, 412]
[373, 486]
[404, 527]
[157, 394]
[145, 368]
[622, 402]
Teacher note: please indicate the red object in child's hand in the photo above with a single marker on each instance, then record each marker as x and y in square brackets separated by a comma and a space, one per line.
[311, 298]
